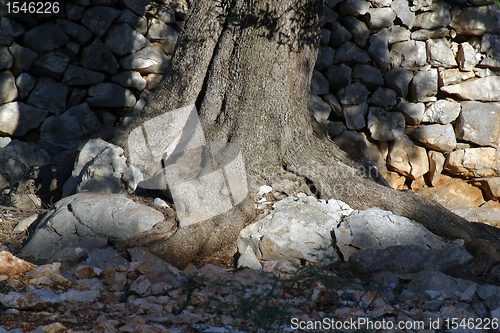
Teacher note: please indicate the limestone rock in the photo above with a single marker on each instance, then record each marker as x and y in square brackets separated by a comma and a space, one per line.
[153, 80]
[23, 57]
[17, 118]
[98, 56]
[379, 18]
[489, 293]
[453, 75]
[438, 137]
[73, 11]
[474, 162]
[75, 31]
[138, 23]
[141, 255]
[297, 229]
[9, 30]
[325, 58]
[49, 95]
[164, 13]
[100, 167]
[453, 193]
[406, 158]
[397, 34]
[339, 77]
[110, 95]
[122, 40]
[436, 164]
[350, 53]
[87, 220]
[24, 224]
[438, 17]
[51, 64]
[137, 6]
[413, 112]
[79, 76]
[325, 35]
[395, 180]
[442, 112]
[71, 125]
[25, 201]
[158, 30]
[479, 123]
[385, 126]
[376, 229]
[334, 104]
[353, 94]
[424, 85]
[368, 75]
[398, 80]
[29, 154]
[466, 57]
[358, 30]
[407, 259]
[328, 16]
[424, 34]
[407, 17]
[354, 7]
[355, 115]
[320, 109]
[439, 53]
[25, 83]
[76, 97]
[249, 259]
[477, 20]
[11, 265]
[6, 60]
[490, 62]
[37, 299]
[50, 271]
[360, 148]
[130, 79]
[340, 35]
[379, 50]
[319, 84]
[485, 89]
[45, 37]
[490, 186]
[150, 59]
[98, 19]
[8, 89]
[410, 54]
[432, 284]
[487, 213]
[383, 97]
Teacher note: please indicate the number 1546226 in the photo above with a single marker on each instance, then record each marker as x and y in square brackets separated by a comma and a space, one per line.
[33, 7]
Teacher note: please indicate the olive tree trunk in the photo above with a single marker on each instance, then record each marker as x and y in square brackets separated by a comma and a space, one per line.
[247, 66]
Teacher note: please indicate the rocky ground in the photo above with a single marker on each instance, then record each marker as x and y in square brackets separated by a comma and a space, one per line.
[112, 291]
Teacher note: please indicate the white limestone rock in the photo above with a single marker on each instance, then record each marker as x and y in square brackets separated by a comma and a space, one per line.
[87, 220]
[101, 167]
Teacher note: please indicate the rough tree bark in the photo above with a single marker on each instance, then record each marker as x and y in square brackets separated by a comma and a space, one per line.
[247, 66]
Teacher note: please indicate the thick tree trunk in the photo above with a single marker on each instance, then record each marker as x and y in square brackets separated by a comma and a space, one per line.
[247, 66]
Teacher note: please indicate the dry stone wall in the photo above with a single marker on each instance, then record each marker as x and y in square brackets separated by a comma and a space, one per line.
[86, 62]
[413, 87]
[408, 85]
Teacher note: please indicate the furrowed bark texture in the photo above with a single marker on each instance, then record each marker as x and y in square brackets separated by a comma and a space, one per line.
[247, 66]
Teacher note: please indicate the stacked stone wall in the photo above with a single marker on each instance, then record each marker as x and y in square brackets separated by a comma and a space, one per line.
[413, 87]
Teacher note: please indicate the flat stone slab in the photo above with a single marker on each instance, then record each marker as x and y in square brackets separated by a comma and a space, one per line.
[88, 220]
